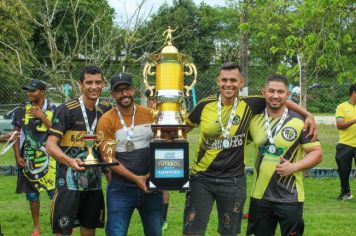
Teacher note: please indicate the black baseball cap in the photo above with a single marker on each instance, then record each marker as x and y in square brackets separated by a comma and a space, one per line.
[35, 84]
[121, 78]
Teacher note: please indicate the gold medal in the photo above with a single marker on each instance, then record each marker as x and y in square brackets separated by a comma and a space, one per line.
[129, 146]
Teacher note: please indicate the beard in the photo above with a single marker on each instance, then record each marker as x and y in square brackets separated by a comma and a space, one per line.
[125, 101]
[274, 107]
[277, 106]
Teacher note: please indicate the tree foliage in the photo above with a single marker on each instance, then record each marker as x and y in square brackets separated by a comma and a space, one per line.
[15, 33]
[62, 34]
[322, 30]
[194, 27]
[50, 39]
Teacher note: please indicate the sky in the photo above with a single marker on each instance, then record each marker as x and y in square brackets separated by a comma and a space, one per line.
[131, 6]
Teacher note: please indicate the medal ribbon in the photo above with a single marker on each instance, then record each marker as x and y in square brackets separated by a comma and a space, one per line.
[226, 131]
[129, 132]
[91, 129]
[44, 107]
[271, 138]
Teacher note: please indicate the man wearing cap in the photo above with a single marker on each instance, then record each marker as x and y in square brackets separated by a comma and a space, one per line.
[36, 169]
[79, 199]
[128, 125]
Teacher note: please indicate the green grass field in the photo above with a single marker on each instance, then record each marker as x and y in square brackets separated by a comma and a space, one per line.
[323, 215]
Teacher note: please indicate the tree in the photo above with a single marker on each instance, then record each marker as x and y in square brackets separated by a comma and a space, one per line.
[322, 30]
[65, 33]
[10, 58]
[194, 29]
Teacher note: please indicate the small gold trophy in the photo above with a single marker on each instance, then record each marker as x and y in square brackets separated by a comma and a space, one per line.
[170, 167]
[92, 141]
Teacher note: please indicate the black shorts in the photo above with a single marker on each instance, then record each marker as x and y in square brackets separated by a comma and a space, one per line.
[263, 217]
[71, 208]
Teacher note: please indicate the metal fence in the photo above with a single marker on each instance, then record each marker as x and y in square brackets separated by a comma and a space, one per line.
[324, 93]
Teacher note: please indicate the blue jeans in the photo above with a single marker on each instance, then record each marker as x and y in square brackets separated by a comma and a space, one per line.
[122, 199]
[34, 196]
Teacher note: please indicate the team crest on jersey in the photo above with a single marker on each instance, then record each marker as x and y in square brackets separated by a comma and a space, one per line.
[55, 120]
[64, 221]
[289, 133]
[236, 120]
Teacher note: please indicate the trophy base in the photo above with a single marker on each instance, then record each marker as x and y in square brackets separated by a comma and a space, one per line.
[99, 164]
[169, 168]
[152, 187]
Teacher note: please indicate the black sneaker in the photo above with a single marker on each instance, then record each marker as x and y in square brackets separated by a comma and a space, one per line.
[344, 196]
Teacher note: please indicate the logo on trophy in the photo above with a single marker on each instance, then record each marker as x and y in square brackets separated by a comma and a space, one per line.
[169, 148]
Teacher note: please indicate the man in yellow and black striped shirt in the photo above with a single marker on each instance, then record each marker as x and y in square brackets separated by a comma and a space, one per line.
[218, 167]
[278, 192]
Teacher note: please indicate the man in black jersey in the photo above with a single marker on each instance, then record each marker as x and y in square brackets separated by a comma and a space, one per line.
[79, 197]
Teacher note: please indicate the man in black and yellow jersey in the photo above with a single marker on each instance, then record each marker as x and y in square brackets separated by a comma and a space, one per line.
[346, 148]
[218, 169]
[36, 172]
[78, 199]
[277, 191]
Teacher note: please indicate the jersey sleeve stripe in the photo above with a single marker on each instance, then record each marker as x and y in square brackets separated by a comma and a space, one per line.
[56, 131]
[313, 144]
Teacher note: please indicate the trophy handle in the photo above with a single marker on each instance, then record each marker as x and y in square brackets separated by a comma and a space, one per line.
[147, 71]
[154, 113]
[192, 69]
[80, 137]
[99, 136]
[110, 144]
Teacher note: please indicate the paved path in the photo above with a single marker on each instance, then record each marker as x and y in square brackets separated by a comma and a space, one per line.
[328, 120]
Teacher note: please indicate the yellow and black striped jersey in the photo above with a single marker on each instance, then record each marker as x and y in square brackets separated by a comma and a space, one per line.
[289, 143]
[211, 159]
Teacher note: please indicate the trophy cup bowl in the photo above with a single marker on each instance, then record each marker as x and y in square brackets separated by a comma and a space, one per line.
[169, 148]
[91, 142]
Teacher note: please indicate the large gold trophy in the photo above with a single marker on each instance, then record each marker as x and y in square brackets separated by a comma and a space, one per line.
[169, 148]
